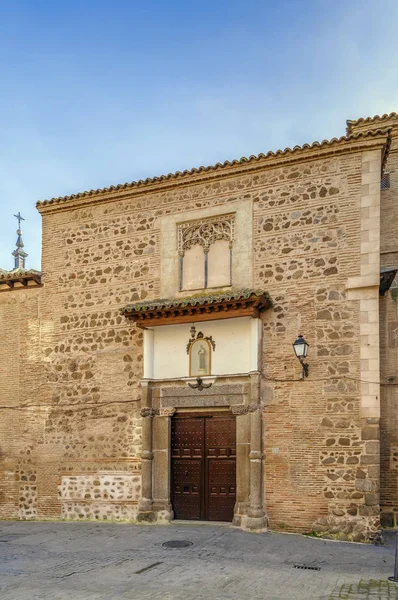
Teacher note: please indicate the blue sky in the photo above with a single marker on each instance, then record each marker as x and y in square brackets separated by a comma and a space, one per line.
[95, 93]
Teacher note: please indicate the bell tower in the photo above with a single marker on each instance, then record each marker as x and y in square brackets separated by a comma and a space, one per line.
[19, 276]
[19, 254]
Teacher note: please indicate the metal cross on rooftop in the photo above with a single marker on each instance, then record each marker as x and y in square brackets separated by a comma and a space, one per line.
[20, 218]
[18, 254]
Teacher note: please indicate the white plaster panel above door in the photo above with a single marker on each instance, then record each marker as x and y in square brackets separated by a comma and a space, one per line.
[237, 343]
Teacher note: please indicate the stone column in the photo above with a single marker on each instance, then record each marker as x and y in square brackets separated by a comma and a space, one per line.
[161, 479]
[145, 512]
[255, 516]
[242, 464]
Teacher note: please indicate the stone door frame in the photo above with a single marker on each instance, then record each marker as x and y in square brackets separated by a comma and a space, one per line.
[239, 395]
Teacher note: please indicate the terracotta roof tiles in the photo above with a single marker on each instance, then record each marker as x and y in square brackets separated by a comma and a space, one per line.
[201, 307]
[218, 166]
[197, 300]
[22, 276]
[375, 119]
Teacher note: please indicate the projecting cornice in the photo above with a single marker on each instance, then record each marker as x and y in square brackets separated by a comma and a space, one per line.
[350, 143]
[363, 122]
[205, 307]
[19, 278]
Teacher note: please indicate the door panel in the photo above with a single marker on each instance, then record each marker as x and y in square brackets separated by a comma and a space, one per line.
[187, 489]
[220, 447]
[203, 467]
[222, 490]
[187, 455]
[221, 436]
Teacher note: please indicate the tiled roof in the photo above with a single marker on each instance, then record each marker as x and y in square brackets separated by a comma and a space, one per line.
[19, 275]
[200, 300]
[217, 167]
[375, 119]
[203, 307]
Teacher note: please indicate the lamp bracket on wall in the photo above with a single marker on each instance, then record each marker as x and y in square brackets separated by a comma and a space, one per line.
[199, 385]
[199, 336]
[305, 367]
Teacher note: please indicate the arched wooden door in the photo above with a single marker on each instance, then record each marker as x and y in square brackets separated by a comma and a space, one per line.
[203, 466]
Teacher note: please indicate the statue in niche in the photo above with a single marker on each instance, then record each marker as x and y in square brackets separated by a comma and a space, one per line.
[200, 358]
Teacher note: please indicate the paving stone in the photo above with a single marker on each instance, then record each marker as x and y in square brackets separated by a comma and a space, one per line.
[87, 561]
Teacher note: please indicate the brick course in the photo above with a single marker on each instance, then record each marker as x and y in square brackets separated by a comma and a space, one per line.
[68, 349]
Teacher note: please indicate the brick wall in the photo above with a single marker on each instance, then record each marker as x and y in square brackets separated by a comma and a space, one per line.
[102, 253]
[22, 382]
[307, 245]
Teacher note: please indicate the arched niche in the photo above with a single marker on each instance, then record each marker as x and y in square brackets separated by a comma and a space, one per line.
[193, 271]
[219, 264]
[200, 358]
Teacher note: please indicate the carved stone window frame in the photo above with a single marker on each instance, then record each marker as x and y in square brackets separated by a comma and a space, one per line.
[204, 232]
[242, 259]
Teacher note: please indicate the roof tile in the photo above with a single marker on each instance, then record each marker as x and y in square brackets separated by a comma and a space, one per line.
[196, 300]
[218, 166]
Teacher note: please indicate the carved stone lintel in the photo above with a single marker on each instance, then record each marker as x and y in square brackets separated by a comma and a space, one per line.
[244, 409]
[167, 411]
[256, 407]
[240, 409]
[149, 412]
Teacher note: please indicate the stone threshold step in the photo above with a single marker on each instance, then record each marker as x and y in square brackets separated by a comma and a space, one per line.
[200, 523]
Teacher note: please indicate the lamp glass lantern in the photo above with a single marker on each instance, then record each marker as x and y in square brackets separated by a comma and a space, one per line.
[300, 347]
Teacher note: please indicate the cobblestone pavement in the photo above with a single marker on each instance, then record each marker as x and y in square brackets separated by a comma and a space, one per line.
[90, 561]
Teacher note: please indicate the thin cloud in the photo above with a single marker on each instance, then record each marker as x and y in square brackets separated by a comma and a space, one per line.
[76, 116]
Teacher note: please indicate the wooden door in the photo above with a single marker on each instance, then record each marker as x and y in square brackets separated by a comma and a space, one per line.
[203, 482]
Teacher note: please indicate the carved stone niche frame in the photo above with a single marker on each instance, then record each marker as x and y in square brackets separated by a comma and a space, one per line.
[197, 366]
[170, 243]
[237, 395]
[194, 337]
[206, 346]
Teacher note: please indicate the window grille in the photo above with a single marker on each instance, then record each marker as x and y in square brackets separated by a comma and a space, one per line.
[385, 181]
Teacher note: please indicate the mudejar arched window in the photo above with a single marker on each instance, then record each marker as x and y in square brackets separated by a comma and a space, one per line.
[205, 250]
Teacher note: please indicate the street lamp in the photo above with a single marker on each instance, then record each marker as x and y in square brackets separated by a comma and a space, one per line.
[300, 348]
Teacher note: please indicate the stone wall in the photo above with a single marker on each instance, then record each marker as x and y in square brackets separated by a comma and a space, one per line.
[389, 346]
[102, 253]
[321, 454]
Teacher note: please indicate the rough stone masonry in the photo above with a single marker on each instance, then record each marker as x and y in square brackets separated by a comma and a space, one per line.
[71, 364]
